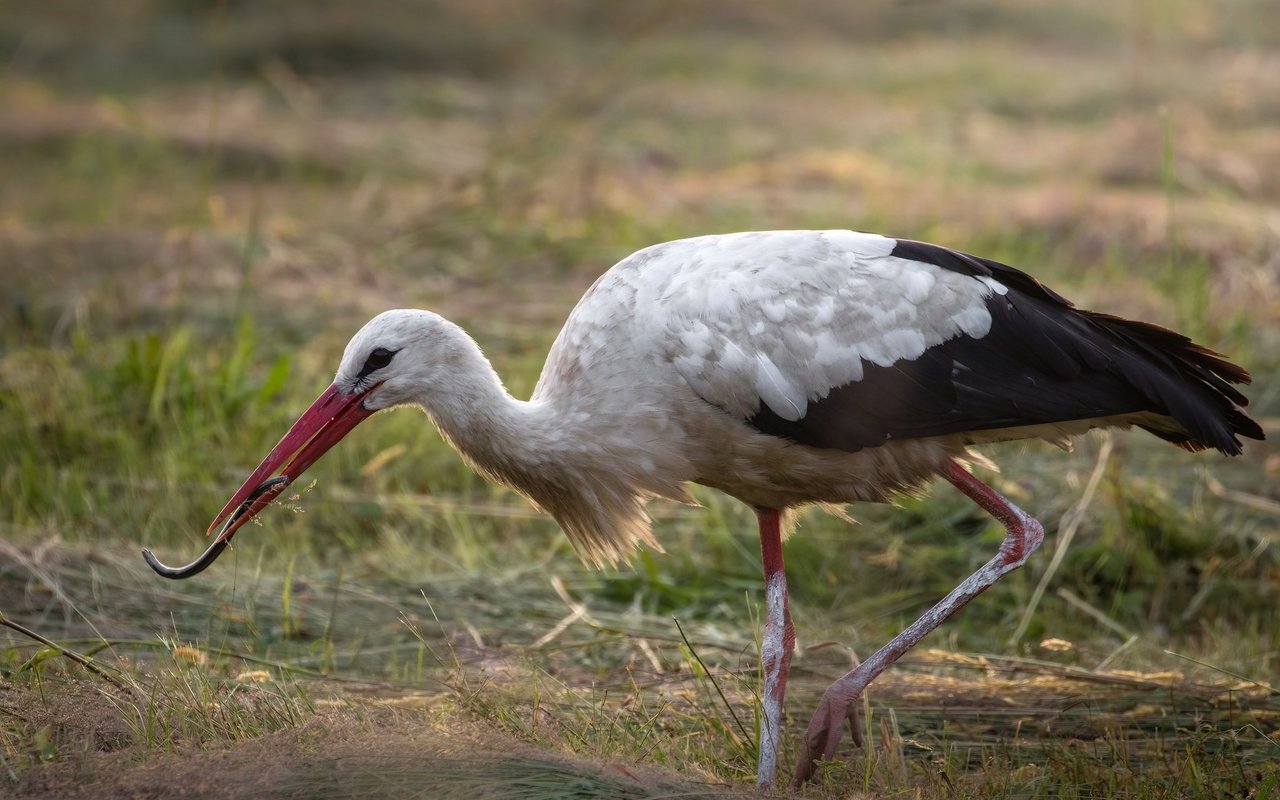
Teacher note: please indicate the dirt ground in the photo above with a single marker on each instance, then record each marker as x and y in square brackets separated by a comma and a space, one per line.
[366, 741]
[400, 748]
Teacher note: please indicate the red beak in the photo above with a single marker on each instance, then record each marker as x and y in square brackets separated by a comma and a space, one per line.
[320, 427]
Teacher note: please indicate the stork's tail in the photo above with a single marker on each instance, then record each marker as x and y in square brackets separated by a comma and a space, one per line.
[1192, 384]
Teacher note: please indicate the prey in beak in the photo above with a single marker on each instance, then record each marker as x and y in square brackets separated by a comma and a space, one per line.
[332, 416]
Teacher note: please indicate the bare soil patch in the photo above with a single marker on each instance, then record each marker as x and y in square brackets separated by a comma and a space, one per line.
[382, 748]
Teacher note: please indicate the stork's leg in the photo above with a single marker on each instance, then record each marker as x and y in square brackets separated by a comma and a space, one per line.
[779, 641]
[840, 700]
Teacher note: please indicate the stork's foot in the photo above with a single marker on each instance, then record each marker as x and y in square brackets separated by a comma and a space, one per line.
[821, 740]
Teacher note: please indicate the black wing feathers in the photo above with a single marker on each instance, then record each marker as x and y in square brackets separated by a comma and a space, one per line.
[1043, 361]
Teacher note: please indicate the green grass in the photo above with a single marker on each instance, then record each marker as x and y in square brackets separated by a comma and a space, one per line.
[203, 201]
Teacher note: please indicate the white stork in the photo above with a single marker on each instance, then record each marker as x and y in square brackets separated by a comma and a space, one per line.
[783, 368]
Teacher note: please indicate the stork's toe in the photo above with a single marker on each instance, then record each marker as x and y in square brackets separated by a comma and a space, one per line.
[822, 738]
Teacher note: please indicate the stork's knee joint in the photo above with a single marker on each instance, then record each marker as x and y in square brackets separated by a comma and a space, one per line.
[1022, 540]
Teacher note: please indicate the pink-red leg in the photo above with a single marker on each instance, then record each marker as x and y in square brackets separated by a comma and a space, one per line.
[775, 649]
[840, 701]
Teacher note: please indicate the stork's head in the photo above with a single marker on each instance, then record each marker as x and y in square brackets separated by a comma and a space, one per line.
[387, 363]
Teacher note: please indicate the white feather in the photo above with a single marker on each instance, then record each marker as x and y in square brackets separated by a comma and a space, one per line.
[784, 317]
[779, 394]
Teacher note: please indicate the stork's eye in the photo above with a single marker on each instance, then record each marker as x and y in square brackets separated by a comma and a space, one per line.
[378, 359]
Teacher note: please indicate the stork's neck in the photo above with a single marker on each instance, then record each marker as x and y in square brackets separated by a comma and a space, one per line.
[504, 437]
[540, 449]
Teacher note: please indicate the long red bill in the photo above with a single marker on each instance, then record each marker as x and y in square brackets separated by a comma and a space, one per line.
[330, 417]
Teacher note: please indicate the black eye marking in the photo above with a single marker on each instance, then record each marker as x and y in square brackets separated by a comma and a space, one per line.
[378, 359]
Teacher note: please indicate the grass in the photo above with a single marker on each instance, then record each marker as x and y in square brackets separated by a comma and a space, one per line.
[202, 201]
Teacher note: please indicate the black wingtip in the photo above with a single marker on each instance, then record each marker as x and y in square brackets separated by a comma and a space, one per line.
[1150, 367]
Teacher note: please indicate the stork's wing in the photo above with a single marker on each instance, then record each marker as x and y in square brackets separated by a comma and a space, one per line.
[846, 341]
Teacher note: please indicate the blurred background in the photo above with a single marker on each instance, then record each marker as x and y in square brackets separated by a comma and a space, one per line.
[201, 201]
